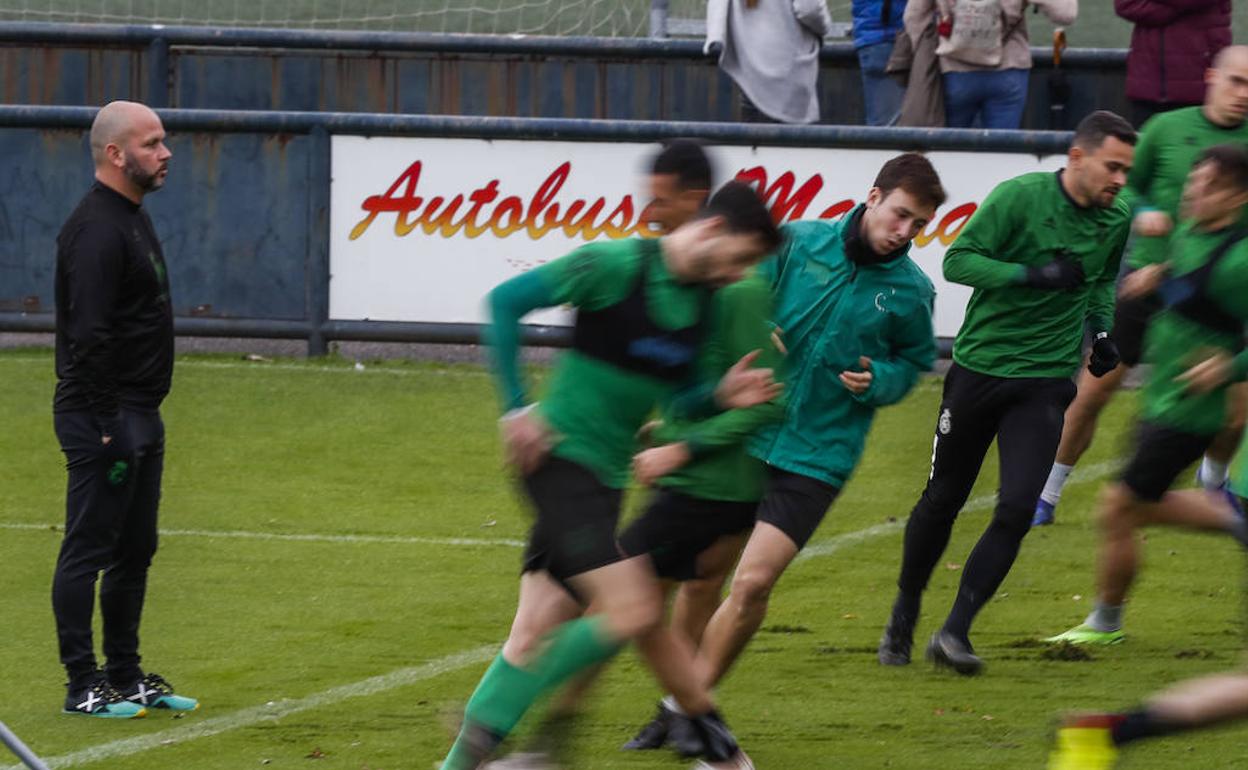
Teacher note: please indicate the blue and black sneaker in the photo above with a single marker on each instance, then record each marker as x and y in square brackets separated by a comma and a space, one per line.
[152, 691]
[99, 699]
[1044, 515]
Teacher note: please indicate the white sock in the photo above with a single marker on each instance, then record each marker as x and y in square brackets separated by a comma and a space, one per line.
[1105, 617]
[670, 704]
[1213, 474]
[1057, 479]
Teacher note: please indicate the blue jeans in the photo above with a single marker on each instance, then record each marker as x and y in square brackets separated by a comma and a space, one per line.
[985, 99]
[881, 94]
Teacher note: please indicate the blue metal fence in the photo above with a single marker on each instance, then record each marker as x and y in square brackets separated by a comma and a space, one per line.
[484, 75]
[244, 217]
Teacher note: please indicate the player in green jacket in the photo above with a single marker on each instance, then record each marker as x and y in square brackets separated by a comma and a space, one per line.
[1042, 253]
[1196, 347]
[1169, 144]
[854, 312]
[642, 316]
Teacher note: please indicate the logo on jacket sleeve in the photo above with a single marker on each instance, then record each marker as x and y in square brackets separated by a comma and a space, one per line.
[946, 423]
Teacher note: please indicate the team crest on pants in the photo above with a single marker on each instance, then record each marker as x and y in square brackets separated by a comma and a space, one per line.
[946, 423]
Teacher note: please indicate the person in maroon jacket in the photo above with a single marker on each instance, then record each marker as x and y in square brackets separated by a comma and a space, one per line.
[1172, 46]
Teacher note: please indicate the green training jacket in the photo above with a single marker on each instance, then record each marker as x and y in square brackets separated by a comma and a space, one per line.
[832, 310]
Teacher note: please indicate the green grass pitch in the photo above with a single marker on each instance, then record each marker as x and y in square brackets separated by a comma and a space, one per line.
[340, 554]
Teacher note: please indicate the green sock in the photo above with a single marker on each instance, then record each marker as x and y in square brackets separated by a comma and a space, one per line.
[574, 646]
[506, 692]
[500, 700]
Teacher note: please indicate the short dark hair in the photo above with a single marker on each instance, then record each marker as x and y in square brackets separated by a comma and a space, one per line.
[743, 212]
[913, 173]
[687, 160]
[1093, 130]
[1232, 163]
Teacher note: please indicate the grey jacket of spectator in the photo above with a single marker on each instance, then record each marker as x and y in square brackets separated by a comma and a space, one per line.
[771, 51]
[1016, 50]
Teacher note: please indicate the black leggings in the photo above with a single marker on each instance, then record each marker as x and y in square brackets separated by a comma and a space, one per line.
[1025, 415]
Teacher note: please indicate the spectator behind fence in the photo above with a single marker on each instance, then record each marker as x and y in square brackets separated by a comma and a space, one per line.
[1172, 46]
[771, 50]
[985, 55]
[876, 24]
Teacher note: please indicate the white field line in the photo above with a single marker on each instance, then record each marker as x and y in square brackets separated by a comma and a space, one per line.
[304, 538]
[195, 729]
[1081, 475]
[258, 366]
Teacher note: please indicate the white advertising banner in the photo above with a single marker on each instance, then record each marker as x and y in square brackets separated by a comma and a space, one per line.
[422, 229]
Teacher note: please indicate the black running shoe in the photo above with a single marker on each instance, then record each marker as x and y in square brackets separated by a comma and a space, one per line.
[152, 691]
[718, 743]
[683, 736]
[946, 650]
[896, 643]
[654, 734]
[99, 699]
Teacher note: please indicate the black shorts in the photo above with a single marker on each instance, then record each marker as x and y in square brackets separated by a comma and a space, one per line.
[795, 504]
[576, 519]
[1131, 319]
[1161, 454]
[676, 528]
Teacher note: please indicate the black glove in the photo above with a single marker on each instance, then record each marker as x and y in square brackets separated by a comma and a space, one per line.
[713, 50]
[1105, 357]
[1061, 274]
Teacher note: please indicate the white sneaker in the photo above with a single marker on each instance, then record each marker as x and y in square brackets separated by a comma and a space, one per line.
[741, 761]
[535, 760]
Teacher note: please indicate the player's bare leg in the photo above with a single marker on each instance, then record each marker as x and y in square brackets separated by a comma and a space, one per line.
[766, 556]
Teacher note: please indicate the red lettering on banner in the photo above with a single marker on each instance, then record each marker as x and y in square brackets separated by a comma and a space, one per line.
[441, 223]
[948, 228]
[479, 197]
[581, 218]
[546, 193]
[787, 204]
[838, 209]
[511, 214]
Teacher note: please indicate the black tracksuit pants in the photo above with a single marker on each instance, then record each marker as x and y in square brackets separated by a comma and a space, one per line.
[1025, 415]
[110, 527]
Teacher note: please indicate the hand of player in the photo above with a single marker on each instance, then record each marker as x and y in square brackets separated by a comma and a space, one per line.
[777, 340]
[1152, 224]
[1143, 282]
[651, 465]
[1105, 357]
[743, 386]
[526, 439]
[858, 382]
[1061, 274]
[1209, 375]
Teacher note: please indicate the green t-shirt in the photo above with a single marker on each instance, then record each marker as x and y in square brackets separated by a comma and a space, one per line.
[1174, 343]
[721, 469]
[1011, 330]
[1168, 146]
[594, 408]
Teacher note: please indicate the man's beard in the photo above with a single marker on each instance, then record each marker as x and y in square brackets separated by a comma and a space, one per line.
[143, 180]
